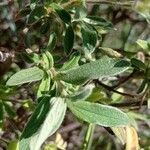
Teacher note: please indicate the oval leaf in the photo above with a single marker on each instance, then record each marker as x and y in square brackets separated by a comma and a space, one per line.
[69, 39]
[52, 42]
[72, 63]
[62, 13]
[138, 64]
[132, 142]
[25, 75]
[104, 67]
[89, 36]
[34, 123]
[50, 124]
[98, 114]
[44, 86]
[43, 123]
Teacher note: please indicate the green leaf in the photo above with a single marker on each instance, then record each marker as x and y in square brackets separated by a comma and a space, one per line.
[98, 21]
[51, 123]
[69, 39]
[25, 75]
[34, 123]
[71, 63]
[52, 42]
[47, 59]
[31, 57]
[50, 58]
[143, 44]
[98, 95]
[115, 97]
[98, 114]
[138, 64]
[80, 12]
[62, 13]
[46, 119]
[83, 93]
[143, 86]
[44, 86]
[104, 67]
[37, 13]
[89, 36]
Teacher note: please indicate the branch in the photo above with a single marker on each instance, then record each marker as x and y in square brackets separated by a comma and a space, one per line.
[126, 4]
[113, 90]
[124, 80]
[129, 104]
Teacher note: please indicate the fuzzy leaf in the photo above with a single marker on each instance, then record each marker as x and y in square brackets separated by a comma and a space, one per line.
[43, 123]
[62, 13]
[98, 114]
[104, 67]
[25, 75]
[89, 37]
[69, 39]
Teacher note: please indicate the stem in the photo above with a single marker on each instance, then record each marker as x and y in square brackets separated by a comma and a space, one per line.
[89, 137]
[4, 141]
[13, 101]
[129, 104]
[124, 80]
[113, 90]
[71, 4]
[127, 3]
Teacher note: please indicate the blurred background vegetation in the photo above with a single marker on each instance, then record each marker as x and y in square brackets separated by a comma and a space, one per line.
[131, 21]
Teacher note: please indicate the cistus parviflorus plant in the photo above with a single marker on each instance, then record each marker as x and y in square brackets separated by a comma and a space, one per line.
[72, 70]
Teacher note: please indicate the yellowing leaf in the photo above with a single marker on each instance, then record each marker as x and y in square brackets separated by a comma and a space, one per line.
[120, 132]
[61, 144]
[132, 142]
[127, 135]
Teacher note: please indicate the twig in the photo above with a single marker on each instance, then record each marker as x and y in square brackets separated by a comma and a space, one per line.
[124, 80]
[13, 101]
[89, 137]
[113, 90]
[129, 104]
[69, 127]
[4, 141]
[71, 3]
[127, 3]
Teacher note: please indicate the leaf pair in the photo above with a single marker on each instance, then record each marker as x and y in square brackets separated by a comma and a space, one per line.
[50, 113]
